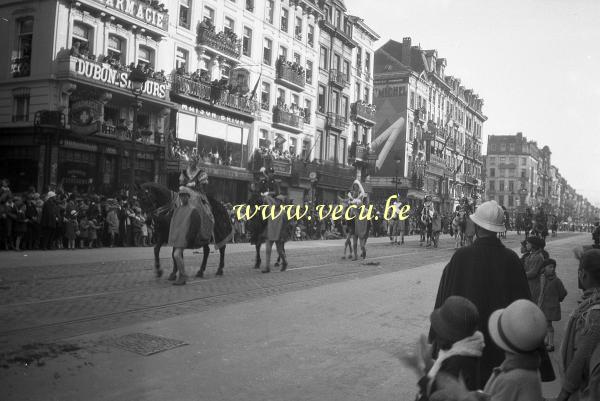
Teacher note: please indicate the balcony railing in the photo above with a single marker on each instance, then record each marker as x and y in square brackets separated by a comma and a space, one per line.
[291, 75]
[49, 118]
[223, 42]
[288, 120]
[280, 166]
[363, 112]
[122, 133]
[20, 67]
[338, 78]
[336, 121]
[212, 93]
[335, 175]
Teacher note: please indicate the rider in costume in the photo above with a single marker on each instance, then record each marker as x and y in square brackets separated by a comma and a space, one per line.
[359, 197]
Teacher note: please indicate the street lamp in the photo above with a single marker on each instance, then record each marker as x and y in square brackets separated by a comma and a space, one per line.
[137, 79]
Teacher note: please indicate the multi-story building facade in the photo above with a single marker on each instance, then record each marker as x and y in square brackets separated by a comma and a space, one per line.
[345, 113]
[428, 132]
[234, 81]
[66, 105]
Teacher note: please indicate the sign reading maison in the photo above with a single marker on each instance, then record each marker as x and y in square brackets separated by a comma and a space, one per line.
[139, 10]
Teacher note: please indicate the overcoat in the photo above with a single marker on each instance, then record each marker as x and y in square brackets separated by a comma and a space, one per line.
[492, 277]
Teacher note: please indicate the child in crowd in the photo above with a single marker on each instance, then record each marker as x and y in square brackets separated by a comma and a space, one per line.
[84, 226]
[92, 233]
[519, 330]
[459, 347]
[553, 293]
[71, 229]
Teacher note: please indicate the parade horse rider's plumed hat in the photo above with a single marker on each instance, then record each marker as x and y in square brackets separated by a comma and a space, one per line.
[193, 175]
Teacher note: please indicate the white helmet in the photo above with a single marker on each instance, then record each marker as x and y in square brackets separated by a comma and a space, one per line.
[489, 216]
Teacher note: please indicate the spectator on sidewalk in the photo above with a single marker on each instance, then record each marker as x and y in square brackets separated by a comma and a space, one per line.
[486, 273]
[533, 267]
[553, 293]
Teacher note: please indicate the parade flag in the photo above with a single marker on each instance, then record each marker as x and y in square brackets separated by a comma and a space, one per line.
[255, 87]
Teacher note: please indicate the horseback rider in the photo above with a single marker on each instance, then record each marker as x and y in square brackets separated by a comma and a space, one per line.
[427, 212]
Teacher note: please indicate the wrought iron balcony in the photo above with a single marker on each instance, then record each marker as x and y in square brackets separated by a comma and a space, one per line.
[336, 121]
[213, 94]
[224, 43]
[363, 112]
[292, 76]
[338, 78]
[288, 120]
[20, 67]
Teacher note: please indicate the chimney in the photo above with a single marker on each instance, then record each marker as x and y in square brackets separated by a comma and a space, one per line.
[406, 41]
[406, 50]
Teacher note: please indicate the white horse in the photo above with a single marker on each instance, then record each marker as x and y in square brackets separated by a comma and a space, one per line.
[459, 226]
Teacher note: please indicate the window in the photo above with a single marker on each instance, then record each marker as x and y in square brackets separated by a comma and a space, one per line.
[335, 102]
[306, 149]
[338, 18]
[82, 39]
[209, 15]
[229, 25]
[492, 172]
[331, 147]
[511, 186]
[309, 72]
[501, 200]
[502, 147]
[145, 56]
[367, 94]
[22, 55]
[511, 201]
[181, 59]
[247, 42]
[307, 107]
[512, 147]
[321, 99]
[358, 60]
[523, 161]
[523, 172]
[250, 5]
[185, 13]
[501, 185]
[295, 100]
[492, 185]
[265, 96]
[293, 144]
[412, 99]
[337, 62]
[323, 58]
[346, 69]
[280, 97]
[298, 28]
[263, 140]
[311, 35]
[283, 52]
[20, 104]
[284, 19]
[269, 10]
[116, 49]
[267, 51]
[344, 107]
[357, 91]
[367, 62]
[342, 151]
[297, 58]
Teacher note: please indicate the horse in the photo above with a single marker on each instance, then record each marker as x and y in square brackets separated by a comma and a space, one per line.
[160, 202]
[459, 223]
[426, 221]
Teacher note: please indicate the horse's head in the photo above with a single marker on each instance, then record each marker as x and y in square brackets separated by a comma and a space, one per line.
[152, 195]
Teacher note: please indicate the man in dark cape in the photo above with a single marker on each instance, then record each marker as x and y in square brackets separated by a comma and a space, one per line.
[489, 275]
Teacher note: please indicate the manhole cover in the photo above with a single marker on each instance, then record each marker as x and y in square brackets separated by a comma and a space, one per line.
[145, 344]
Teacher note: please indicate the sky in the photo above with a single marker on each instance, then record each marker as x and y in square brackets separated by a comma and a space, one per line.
[536, 64]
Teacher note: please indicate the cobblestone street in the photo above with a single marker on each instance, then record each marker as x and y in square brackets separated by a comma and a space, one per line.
[326, 320]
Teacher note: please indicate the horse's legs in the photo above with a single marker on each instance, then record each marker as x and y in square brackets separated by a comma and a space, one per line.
[206, 252]
[268, 250]
[157, 269]
[257, 260]
[173, 275]
[221, 261]
[355, 241]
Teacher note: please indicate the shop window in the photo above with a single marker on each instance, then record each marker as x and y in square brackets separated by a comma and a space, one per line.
[116, 49]
[21, 57]
[20, 104]
[82, 42]
[247, 42]
[145, 57]
[185, 13]
[181, 60]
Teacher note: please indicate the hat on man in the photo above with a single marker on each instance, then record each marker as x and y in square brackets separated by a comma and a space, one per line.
[456, 319]
[537, 242]
[185, 191]
[73, 213]
[50, 194]
[519, 328]
[489, 216]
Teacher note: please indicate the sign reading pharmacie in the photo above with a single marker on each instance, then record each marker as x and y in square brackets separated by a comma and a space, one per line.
[140, 10]
[104, 73]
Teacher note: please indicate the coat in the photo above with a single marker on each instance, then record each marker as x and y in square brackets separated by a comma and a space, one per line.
[533, 270]
[553, 294]
[517, 379]
[49, 214]
[112, 221]
[184, 231]
[492, 277]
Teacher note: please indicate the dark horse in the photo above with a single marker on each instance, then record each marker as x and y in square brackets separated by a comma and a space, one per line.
[160, 202]
[257, 227]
